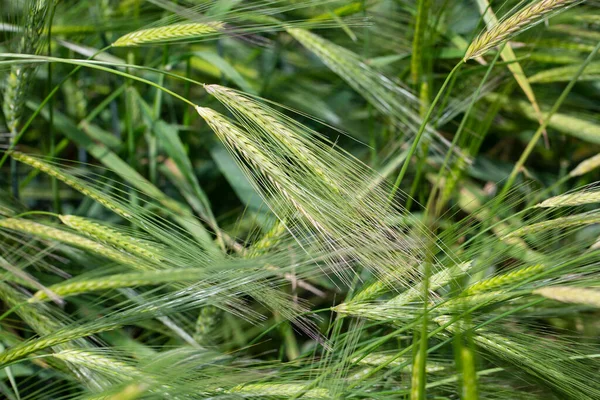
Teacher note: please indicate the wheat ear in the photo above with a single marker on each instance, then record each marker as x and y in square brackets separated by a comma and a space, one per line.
[26, 348]
[69, 288]
[286, 390]
[95, 361]
[521, 20]
[48, 232]
[563, 222]
[569, 294]
[571, 199]
[248, 109]
[234, 137]
[586, 166]
[508, 278]
[168, 33]
[112, 237]
[75, 183]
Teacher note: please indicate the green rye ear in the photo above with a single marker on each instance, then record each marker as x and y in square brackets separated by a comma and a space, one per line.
[514, 24]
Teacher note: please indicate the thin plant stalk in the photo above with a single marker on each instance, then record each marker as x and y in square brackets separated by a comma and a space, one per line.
[421, 130]
[538, 133]
[458, 134]
[52, 134]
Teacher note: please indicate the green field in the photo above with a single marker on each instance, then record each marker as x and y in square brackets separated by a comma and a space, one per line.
[283, 199]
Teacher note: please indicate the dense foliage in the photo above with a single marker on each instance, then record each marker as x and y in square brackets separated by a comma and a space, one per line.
[376, 199]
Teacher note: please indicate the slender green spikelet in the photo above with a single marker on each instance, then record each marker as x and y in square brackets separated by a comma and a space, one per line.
[234, 137]
[372, 291]
[206, 325]
[112, 237]
[319, 183]
[48, 232]
[588, 218]
[415, 292]
[571, 199]
[24, 349]
[436, 281]
[250, 110]
[373, 311]
[385, 94]
[506, 279]
[268, 240]
[478, 299]
[564, 74]
[571, 294]
[75, 183]
[96, 361]
[70, 288]
[36, 318]
[416, 60]
[169, 33]
[285, 390]
[586, 166]
[376, 359]
[519, 21]
[20, 75]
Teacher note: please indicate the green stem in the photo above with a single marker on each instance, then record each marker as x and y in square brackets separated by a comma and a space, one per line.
[187, 116]
[525, 155]
[152, 140]
[53, 180]
[129, 106]
[417, 44]
[422, 128]
[458, 134]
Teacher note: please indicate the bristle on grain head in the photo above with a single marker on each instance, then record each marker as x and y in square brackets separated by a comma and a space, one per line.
[72, 181]
[313, 186]
[112, 237]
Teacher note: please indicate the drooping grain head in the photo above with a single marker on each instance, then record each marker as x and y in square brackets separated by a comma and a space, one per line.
[298, 173]
[72, 181]
[49, 232]
[112, 237]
